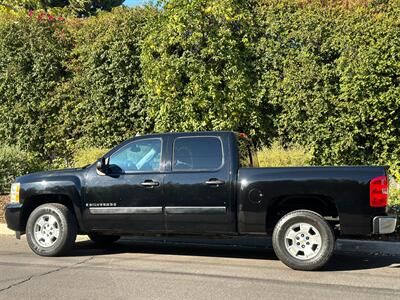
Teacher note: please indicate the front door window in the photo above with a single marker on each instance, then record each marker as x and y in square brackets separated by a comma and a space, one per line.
[138, 156]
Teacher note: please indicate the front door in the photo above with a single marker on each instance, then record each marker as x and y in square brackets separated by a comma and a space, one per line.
[198, 187]
[129, 198]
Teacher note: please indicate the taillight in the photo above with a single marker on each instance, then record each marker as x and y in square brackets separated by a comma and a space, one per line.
[378, 191]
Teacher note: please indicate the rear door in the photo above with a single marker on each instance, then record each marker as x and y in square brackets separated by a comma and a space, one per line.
[198, 187]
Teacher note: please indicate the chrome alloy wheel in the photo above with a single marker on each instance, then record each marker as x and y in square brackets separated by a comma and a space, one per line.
[303, 241]
[46, 230]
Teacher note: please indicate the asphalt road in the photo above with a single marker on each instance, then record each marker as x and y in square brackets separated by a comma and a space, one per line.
[132, 270]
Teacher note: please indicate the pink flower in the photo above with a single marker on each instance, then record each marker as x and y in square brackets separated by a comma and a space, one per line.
[41, 16]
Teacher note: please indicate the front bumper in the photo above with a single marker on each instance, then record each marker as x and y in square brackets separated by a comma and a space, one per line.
[384, 225]
[13, 213]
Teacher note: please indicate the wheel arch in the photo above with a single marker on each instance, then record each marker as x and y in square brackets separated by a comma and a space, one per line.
[34, 201]
[323, 205]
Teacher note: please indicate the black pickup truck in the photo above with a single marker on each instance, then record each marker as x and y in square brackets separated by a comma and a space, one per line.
[202, 184]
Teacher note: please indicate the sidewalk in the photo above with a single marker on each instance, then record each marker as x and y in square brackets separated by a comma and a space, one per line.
[5, 231]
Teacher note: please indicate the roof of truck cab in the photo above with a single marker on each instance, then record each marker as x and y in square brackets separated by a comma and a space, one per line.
[186, 133]
[159, 135]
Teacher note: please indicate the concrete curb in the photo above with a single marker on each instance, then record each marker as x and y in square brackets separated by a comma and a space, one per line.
[354, 246]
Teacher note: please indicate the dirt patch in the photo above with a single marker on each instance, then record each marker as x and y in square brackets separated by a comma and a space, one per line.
[3, 201]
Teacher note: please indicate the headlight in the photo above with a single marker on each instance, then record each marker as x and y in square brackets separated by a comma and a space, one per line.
[14, 194]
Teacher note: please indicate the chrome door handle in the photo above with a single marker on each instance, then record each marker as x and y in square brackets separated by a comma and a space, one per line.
[214, 182]
[150, 183]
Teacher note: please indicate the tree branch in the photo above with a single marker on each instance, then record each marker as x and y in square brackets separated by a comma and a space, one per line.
[8, 6]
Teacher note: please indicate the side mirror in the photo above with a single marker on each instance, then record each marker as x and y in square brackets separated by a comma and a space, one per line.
[101, 165]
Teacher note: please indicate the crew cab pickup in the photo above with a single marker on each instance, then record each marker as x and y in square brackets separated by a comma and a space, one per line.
[205, 184]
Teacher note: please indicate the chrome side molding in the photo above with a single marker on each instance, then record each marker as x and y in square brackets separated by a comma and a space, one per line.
[158, 210]
[195, 209]
[125, 210]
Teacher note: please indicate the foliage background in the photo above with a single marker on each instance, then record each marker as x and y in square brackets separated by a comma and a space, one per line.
[321, 75]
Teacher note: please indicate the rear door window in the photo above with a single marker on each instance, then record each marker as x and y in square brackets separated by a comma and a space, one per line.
[197, 153]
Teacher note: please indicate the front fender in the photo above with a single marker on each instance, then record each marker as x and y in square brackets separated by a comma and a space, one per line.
[65, 188]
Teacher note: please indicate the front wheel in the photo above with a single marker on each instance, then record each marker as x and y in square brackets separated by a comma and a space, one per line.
[303, 240]
[51, 229]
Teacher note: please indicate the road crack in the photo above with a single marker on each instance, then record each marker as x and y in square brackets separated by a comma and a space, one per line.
[46, 273]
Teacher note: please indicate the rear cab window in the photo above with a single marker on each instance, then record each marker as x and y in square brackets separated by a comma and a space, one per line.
[200, 153]
[247, 154]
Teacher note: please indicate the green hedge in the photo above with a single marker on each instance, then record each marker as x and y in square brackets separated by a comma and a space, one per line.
[33, 54]
[278, 156]
[323, 76]
[198, 68]
[15, 162]
[83, 157]
[333, 75]
[104, 104]
[394, 195]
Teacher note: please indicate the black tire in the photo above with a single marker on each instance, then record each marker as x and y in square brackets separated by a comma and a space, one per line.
[282, 242]
[102, 239]
[66, 225]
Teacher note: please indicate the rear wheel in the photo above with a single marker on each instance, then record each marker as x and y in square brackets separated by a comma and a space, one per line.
[303, 240]
[51, 230]
[103, 240]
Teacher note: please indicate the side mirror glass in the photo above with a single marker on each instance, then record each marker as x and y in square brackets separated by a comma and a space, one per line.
[101, 165]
